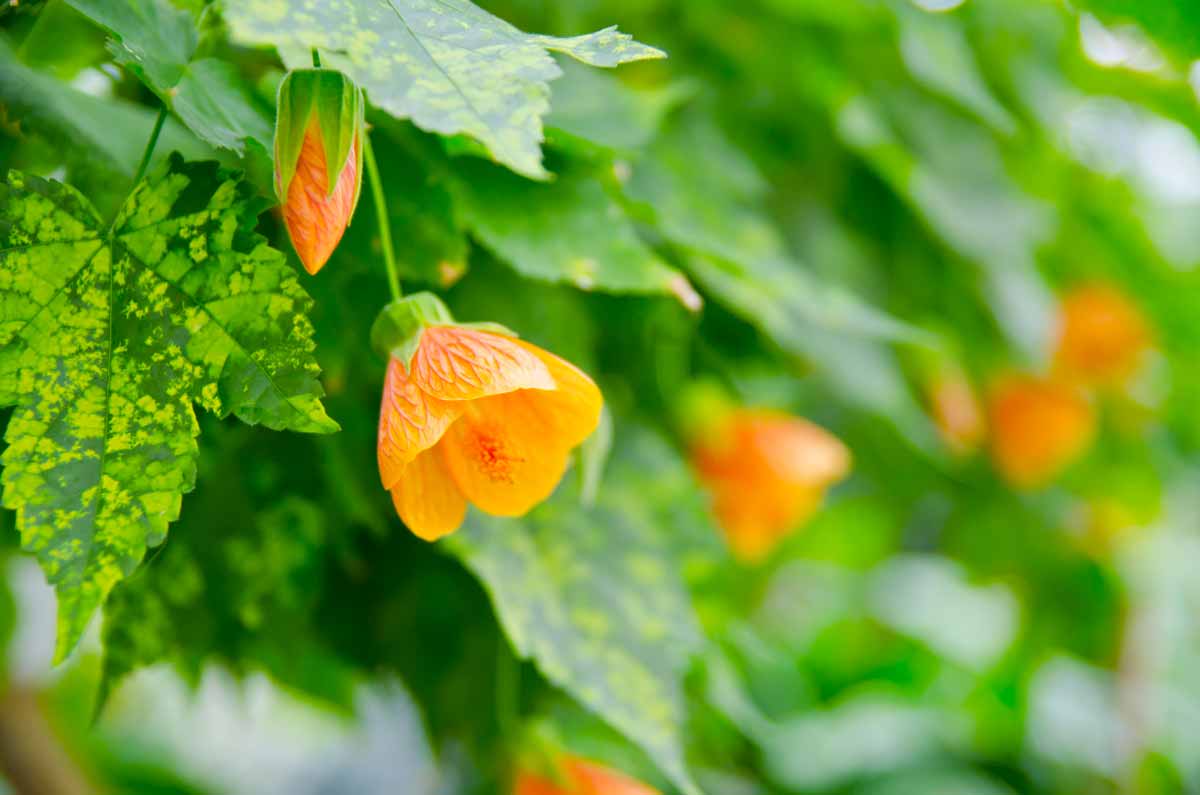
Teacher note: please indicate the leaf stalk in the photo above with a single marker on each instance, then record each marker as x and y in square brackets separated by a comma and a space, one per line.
[385, 227]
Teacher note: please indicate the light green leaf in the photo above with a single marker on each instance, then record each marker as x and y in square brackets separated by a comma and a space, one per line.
[107, 338]
[157, 41]
[592, 596]
[447, 64]
[570, 230]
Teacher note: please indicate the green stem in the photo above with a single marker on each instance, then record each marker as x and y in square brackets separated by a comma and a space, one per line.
[385, 225]
[316, 58]
[158, 125]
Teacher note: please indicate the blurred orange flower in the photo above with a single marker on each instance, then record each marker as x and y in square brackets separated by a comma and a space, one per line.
[478, 417]
[1039, 428]
[768, 473]
[1102, 336]
[315, 216]
[581, 777]
[957, 412]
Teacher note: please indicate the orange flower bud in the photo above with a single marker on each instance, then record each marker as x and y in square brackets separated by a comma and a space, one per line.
[1039, 428]
[318, 159]
[473, 415]
[1102, 336]
[581, 777]
[957, 412]
[315, 216]
[768, 473]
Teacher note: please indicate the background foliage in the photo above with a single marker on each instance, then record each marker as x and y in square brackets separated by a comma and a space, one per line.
[856, 192]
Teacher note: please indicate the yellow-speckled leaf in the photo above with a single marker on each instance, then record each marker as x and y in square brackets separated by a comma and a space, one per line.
[107, 338]
[594, 597]
[447, 64]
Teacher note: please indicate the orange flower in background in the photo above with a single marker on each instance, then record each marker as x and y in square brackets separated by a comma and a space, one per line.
[478, 417]
[768, 473]
[1039, 428]
[1102, 336]
[315, 216]
[581, 777]
[957, 412]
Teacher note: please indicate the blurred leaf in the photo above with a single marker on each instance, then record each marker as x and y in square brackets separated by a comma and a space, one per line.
[569, 230]
[157, 42]
[597, 108]
[110, 336]
[450, 67]
[100, 138]
[592, 597]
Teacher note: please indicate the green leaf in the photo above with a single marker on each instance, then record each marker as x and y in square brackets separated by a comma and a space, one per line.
[1175, 24]
[594, 598]
[594, 106]
[107, 338]
[449, 66]
[157, 42]
[570, 230]
[101, 140]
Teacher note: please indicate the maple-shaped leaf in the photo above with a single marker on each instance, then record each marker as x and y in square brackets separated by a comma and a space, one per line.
[108, 335]
[448, 65]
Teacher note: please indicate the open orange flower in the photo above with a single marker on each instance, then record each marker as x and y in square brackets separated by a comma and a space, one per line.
[768, 473]
[1039, 428]
[581, 777]
[481, 417]
[1102, 336]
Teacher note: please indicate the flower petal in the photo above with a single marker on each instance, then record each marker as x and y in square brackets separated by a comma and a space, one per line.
[455, 363]
[314, 217]
[573, 408]
[427, 499]
[504, 454]
[409, 422]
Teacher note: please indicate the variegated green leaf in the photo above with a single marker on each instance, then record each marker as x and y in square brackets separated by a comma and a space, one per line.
[447, 64]
[108, 335]
[594, 596]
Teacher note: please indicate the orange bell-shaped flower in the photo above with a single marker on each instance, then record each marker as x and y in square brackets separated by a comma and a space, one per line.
[768, 473]
[581, 777]
[957, 412]
[472, 415]
[1102, 336]
[1039, 428]
[318, 160]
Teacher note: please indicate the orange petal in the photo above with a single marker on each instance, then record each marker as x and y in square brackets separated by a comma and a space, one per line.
[409, 422]
[756, 516]
[504, 453]
[1039, 428]
[1102, 335]
[574, 406]
[455, 363]
[316, 218]
[427, 499]
[591, 778]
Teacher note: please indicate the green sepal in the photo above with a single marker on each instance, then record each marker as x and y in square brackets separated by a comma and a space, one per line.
[339, 108]
[489, 326]
[396, 333]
